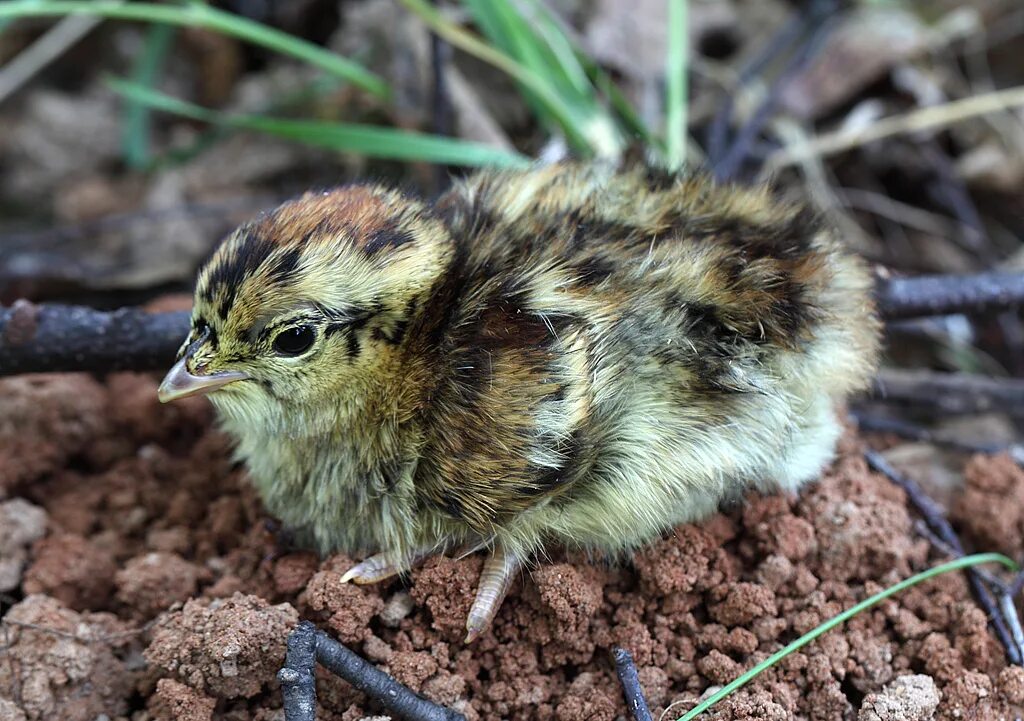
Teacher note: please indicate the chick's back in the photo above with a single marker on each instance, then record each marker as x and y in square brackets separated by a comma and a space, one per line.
[620, 351]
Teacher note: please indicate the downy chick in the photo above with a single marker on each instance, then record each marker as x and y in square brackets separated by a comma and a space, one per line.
[565, 355]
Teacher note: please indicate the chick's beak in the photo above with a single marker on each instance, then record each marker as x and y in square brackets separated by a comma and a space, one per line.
[180, 382]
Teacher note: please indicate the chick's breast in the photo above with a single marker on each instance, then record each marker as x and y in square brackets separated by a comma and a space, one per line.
[625, 351]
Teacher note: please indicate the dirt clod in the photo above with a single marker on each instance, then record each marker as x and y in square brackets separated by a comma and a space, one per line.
[21, 524]
[75, 570]
[152, 582]
[227, 647]
[174, 701]
[153, 522]
[62, 664]
[907, 698]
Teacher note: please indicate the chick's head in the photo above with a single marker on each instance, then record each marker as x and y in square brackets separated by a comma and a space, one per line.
[310, 304]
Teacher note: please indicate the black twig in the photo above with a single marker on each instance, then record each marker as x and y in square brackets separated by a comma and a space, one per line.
[625, 668]
[727, 167]
[298, 684]
[44, 338]
[950, 393]
[942, 294]
[718, 134]
[443, 116]
[307, 645]
[51, 337]
[935, 518]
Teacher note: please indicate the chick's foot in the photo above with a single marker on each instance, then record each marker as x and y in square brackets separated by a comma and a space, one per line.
[378, 568]
[495, 579]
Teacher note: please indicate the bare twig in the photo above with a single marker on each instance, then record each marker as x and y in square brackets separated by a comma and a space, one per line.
[306, 645]
[42, 338]
[951, 393]
[22, 68]
[298, 685]
[934, 516]
[625, 669]
[941, 294]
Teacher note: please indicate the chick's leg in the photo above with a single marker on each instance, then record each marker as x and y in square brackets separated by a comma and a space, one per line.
[495, 579]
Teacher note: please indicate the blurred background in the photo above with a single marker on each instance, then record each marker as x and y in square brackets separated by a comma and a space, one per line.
[133, 135]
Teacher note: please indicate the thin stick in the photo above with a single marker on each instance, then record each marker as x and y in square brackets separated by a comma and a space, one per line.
[929, 118]
[935, 517]
[395, 697]
[942, 294]
[729, 165]
[782, 39]
[307, 646]
[914, 432]
[951, 393]
[298, 684]
[625, 669]
[43, 51]
[45, 338]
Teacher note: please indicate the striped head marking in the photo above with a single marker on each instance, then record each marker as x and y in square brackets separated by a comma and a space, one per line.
[313, 296]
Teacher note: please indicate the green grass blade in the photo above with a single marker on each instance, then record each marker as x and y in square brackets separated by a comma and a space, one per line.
[675, 84]
[955, 565]
[136, 138]
[528, 33]
[369, 140]
[205, 16]
[553, 103]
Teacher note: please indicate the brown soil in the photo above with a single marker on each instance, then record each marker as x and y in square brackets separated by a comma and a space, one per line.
[158, 592]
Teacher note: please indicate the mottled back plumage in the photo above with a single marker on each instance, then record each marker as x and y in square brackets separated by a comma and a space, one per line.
[567, 354]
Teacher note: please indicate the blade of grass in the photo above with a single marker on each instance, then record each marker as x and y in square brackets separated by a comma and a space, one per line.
[210, 18]
[531, 38]
[136, 124]
[469, 43]
[301, 97]
[370, 140]
[955, 565]
[626, 115]
[675, 84]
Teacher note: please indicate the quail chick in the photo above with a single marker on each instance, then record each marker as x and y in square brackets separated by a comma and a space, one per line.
[570, 354]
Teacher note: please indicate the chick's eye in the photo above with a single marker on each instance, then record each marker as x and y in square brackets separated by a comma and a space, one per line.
[294, 341]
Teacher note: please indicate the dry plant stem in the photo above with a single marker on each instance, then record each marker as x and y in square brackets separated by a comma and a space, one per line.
[911, 431]
[785, 37]
[950, 393]
[935, 518]
[929, 118]
[45, 338]
[943, 294]
[307, 645]
[625, 669]
[729, 165]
